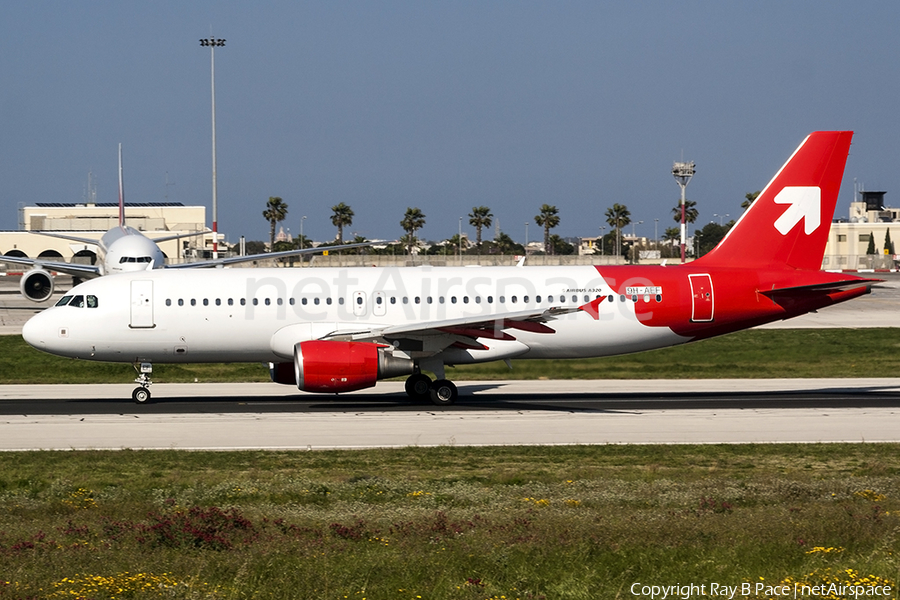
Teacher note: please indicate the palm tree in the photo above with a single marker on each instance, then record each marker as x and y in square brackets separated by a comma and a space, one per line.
[478, 218]
[690, 211]
[548, 219]
[618, 216]
[276, 211]
[749, 199]
[343, 215]
[412, 221]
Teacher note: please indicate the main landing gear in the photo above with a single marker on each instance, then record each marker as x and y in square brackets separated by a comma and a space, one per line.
[141, 395]
[441, 392]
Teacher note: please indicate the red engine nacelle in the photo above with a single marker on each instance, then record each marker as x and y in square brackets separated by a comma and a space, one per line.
[331, 366]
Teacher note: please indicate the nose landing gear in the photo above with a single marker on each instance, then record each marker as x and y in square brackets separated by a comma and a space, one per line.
[141, 395]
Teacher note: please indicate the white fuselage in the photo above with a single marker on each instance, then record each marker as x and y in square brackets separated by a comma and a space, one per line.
[235, 315]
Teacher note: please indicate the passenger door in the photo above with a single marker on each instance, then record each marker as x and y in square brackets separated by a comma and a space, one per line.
[142, 305]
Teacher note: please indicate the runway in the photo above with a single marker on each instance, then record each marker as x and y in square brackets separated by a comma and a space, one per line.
[265, 416]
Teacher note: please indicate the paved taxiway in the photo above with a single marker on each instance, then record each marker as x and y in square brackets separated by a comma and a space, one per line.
[244, 416]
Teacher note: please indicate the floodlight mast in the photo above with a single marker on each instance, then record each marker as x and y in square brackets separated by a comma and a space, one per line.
[683, 171]
[212, 43]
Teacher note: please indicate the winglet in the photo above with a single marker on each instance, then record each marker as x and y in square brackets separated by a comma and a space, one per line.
[787, 225]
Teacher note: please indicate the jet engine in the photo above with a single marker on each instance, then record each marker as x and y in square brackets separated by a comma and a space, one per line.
[36, 285]
[333, 367]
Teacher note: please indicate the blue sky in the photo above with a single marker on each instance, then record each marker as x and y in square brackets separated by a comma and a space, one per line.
[440, 105]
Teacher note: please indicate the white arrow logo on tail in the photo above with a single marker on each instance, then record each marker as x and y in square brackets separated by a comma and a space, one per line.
[805, 205]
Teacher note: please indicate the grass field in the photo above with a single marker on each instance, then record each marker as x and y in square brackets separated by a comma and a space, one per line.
[574, 522]
[579, 522]
[748, 354]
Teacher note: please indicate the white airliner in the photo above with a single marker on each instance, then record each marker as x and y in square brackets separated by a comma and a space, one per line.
[122, 249]
[337, 330]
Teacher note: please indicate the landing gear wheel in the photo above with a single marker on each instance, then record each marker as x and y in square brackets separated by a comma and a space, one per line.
[141, 395]
[443, 392]
[418, 386]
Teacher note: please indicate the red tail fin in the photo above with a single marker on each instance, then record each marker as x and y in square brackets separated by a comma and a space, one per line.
[121, 191]
[788, 224]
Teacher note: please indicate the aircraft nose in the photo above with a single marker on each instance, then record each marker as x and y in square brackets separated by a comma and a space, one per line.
[35, 331]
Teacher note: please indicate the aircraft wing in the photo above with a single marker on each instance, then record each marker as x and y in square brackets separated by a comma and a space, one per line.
[74, 269]
[63, 236]
[231, 260]
[434, 336]
[166, 238]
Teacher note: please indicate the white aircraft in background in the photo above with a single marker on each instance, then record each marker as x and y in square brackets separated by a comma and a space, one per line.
[122, 249]
[334, 330]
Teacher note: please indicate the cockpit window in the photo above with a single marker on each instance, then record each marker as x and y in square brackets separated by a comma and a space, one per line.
[92, 301]
[77, 301]
[64, 300]
[135, 259]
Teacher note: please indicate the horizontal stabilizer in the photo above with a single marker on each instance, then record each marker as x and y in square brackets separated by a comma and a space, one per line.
[819, 288]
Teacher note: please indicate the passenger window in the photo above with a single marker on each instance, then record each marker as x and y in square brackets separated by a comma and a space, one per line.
[218, 302]
[393, 300]
[378, 300]
[341, 300]
[610, 297]
[316, 301]
[441, 300]
[429, 299]
[490, 299]
[268, 301]
[193, 302]
[231, 302]
[452, 299]
[328, 301]
[477, 299]
[168, 302]
[502, 299]
[418, 300]
[181, 302]
[92, 301]
[621, 298]
[514, 299]
[303, 301]
[574, 298]
[659, 298]
[64, 300]
[291, 301]
[243, 302]
[525, 299]
[206, 302]
[550, 299]
[537, 299]
[405, 300]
